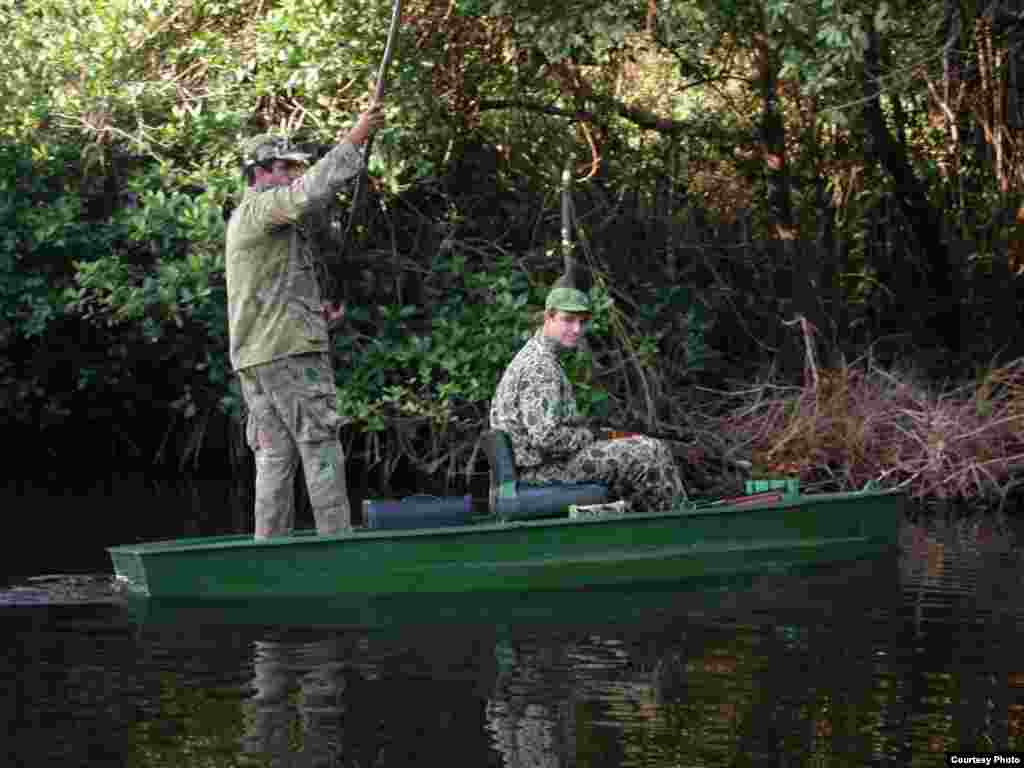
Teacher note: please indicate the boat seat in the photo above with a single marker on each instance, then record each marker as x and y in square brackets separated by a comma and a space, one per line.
[510, 499]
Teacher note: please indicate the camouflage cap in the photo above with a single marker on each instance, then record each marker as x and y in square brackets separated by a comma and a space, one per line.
[266, 147]
[567, 299]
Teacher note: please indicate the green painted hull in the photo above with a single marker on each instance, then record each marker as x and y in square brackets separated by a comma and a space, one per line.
[554, 554]
[750, 593]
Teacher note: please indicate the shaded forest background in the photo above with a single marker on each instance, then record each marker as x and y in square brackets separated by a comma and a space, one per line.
[801, 192]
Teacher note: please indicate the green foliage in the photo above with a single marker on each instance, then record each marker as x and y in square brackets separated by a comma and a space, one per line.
[436, 366]
[120, 121]
[581, 29]
[681, 320]
[41, 229]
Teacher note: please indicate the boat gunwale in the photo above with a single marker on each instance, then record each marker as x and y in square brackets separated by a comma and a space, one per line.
[308, 537]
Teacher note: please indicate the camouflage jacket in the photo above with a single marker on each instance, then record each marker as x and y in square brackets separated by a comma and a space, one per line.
[274, 302]
[535, 405]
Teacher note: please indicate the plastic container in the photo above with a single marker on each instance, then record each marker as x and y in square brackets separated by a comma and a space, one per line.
[788, 485]
[417, 512]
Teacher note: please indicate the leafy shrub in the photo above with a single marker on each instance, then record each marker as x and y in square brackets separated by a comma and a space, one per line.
[434, 365]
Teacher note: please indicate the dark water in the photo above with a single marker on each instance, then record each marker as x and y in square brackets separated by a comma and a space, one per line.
[891, 661]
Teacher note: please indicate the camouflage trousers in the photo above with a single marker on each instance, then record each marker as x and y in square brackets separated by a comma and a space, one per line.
[638, 469]
[293, 419]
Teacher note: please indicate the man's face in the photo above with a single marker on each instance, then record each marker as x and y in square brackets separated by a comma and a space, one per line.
[566, 327]
[281, 173]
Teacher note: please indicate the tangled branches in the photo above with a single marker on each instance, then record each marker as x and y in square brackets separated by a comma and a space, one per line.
[861, 424]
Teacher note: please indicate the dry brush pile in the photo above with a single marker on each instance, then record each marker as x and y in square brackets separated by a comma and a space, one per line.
[860, 424]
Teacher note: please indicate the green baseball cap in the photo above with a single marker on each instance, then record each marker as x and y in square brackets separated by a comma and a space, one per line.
[567, 299]
[266, 147]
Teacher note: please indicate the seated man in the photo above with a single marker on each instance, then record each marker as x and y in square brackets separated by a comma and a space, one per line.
[535, 405]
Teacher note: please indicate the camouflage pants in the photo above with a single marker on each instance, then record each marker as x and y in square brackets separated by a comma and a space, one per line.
[639, 469]
[292, 418]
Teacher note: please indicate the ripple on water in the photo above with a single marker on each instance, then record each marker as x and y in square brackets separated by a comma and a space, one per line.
[62, 589]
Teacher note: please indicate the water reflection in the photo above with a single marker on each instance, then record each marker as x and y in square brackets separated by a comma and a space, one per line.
[531, 708]
[691, 694]
[888, 661]
[271, 717]
[961, 586]
[964, 570]
[357, 699]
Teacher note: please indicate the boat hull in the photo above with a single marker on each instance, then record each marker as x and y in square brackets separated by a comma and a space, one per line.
[746, 594]
[520, 556]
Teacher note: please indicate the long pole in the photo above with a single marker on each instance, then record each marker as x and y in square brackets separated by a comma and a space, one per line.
[378, 95]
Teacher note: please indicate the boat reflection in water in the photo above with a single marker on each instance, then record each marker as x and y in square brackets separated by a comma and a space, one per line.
[549, 679]
[348, 700]
[890, 660]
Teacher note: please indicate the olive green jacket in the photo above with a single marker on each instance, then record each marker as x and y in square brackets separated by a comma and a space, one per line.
[274, 301]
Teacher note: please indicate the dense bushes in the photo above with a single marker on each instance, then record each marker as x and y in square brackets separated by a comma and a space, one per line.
[132, 319]
[732, 175]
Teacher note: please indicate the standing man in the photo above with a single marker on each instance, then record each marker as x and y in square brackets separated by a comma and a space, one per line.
[278, 325]
[535, 405]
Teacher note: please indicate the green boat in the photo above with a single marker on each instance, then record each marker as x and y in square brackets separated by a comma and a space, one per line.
[532, 538]
[793, 594]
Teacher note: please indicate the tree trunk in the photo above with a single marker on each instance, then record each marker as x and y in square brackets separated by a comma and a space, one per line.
[792, 256]
[942, 318]
[773, 142]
